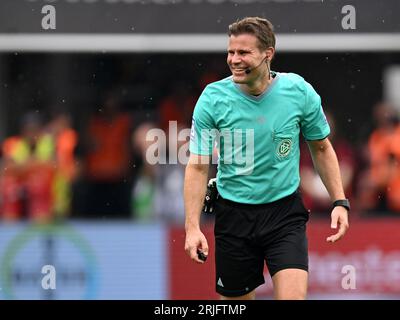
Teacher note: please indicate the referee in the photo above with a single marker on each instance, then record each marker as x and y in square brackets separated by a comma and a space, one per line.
[255, 116]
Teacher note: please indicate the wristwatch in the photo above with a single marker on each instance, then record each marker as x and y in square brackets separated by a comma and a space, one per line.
[343, 203]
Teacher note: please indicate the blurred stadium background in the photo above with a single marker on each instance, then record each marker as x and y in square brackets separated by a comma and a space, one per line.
[76, 102]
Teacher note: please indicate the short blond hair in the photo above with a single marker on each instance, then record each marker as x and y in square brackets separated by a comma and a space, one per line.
[259, 27]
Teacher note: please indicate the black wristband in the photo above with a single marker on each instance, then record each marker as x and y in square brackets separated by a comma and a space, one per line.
[343, 203]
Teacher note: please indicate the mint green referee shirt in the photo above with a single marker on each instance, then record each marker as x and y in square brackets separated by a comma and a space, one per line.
[257, 137]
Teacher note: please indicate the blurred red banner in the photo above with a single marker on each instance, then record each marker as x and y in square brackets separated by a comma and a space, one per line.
[366, 262]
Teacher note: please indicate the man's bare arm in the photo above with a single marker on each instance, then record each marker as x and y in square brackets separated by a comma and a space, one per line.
[327, 166]
[195, 186]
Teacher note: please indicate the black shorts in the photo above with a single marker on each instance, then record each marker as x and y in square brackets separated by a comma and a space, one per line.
[246, 235]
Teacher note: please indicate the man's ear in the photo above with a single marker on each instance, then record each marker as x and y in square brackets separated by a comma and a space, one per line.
[270, 52]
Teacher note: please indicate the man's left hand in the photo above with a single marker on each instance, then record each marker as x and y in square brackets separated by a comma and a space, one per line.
[339, 216]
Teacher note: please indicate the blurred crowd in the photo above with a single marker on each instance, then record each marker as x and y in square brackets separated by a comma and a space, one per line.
[370, 171]
[50, 171]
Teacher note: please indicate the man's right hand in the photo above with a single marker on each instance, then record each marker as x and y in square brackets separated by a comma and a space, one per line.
[195, 240]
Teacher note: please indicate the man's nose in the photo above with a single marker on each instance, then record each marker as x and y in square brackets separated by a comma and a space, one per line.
[236, 59]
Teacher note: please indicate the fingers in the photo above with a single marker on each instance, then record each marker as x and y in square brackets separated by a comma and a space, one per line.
[334, 221]
[342, 230]
[194, 256]
[192, 253]
[202, 251]
[335, 237]
[192, 248]
[338, 216]
[204, 247]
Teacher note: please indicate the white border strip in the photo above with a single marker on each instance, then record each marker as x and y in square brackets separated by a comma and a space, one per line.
[190, 42]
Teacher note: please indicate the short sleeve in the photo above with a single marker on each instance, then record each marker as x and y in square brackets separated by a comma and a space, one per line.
[314, 125]
[203, 131]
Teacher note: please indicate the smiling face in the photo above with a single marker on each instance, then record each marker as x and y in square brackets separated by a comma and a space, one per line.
[243, 53]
